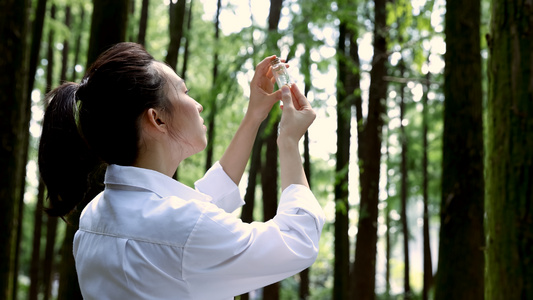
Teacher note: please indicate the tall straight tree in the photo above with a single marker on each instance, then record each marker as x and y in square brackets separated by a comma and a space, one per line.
[141, 37]
[370, 157]
[35, 268]
[461, 230]
[13, 81]
[428, 266]
[269, 172]
[341, 271]
[403, 189]
[213, 94]
[108, 26]
[175, 27]
[509, 254]
[36, 36]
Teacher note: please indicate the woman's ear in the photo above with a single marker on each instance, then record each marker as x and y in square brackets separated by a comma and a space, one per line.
[155, 120]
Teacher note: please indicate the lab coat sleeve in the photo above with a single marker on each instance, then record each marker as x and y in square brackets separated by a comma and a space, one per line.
[236, 257]
[224, 192]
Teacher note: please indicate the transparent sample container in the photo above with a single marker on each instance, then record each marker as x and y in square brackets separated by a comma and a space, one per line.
[280, 73]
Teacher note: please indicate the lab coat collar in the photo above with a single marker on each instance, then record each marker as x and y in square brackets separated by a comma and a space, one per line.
[127, 177]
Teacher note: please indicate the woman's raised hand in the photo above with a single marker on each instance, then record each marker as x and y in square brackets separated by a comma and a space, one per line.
[297, 114]
[262, 97]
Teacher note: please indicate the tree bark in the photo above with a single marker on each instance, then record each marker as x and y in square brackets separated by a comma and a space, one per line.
[141, 38]
[370, 157]
[36, 36]
[109, 26]
[461, 232]
[509, 211]
[175, 27]
[187, 40]
[35, 278]
[341, 269]
[404, 188]
[269, 172]
[269, 184]
[213, 98]
[78, 43]
[13, 100]
[428, 265]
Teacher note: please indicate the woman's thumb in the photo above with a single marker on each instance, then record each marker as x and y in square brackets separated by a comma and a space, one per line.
[286, 96]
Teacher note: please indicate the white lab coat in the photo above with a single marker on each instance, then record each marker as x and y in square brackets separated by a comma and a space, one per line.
[147, 236]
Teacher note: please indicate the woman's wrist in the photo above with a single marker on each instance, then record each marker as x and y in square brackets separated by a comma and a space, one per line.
[287, 143]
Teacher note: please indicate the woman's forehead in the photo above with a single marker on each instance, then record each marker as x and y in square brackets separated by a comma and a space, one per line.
[172, 77]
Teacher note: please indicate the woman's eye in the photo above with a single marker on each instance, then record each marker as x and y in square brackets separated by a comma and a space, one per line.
[187, 92]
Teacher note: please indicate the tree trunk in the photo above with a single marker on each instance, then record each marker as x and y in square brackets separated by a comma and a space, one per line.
[403, 191]
[187, 39]
[14, 126]
[49, 256]
[461, 232]
[509, 219]
[66, 47]
[175, 27]
[213, 98]
[269, 172]
[109, 26]
[35, 278]
[341, 269]
[78, 43]
[36, 36]
[428, 265]
[269, 183]
[387, 221]
[141, 38]
[370, 157]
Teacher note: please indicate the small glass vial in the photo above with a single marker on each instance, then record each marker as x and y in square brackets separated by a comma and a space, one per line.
[280, 73]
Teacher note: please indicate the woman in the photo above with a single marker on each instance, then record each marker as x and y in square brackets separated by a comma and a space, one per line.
[147, 236]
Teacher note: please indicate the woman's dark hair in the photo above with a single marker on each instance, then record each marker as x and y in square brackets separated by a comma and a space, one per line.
[96, 122]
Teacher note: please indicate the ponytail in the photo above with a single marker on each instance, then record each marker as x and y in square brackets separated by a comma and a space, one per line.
[65, 160]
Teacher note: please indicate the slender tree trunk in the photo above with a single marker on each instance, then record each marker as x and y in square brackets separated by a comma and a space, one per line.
[188, 36]
[428, 266]
[214, 92]
[341, 270]
[176, 15]
[109, 26]
[387, 221]
[141, 38]
[36, 36]
[49, 256]
[35, 274]
[66, 47]
[461, 230]
[269, 174]
[370, 157]
[14, 126]
[269, 183]
[509, 192]
[403, 191]
[78, 43]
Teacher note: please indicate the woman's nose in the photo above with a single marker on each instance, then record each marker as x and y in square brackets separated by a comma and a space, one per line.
[200, 107]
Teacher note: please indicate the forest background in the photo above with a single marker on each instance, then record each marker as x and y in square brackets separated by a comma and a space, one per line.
[420, 154]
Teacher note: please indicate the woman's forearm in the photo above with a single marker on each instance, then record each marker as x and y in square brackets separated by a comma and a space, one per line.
[290, 160]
